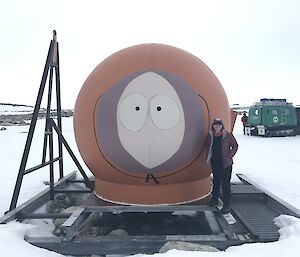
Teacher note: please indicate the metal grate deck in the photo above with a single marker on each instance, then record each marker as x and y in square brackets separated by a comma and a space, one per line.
[258, 217]
[244, 189]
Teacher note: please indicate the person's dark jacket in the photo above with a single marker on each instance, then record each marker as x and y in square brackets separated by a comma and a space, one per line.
[244, 119]
[229, 147]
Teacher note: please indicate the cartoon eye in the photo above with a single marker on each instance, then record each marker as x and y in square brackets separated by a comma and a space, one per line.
[133, 112]
[164, 112]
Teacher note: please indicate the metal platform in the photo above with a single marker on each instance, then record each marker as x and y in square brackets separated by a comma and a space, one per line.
[150, 227]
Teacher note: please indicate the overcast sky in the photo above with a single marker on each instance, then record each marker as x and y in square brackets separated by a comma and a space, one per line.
[253, 47]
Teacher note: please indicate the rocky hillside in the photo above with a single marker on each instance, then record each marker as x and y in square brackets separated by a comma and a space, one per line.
[19, 115]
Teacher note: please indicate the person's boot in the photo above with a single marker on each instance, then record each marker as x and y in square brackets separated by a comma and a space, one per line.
[213, 202]
[225, 208]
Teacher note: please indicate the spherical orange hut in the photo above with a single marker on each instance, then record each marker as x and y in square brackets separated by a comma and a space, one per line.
[141, 121]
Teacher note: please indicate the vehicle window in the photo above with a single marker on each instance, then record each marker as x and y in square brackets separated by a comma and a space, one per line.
[274, 112]
[256, 112]
[286, 111]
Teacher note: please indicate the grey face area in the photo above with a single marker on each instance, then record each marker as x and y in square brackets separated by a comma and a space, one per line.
[150, 114]
[150, 121]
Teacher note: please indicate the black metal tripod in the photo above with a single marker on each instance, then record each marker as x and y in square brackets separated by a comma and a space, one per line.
[51, 67]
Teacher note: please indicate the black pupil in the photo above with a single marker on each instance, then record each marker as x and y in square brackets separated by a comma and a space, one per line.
[158, 108]
[137, 108]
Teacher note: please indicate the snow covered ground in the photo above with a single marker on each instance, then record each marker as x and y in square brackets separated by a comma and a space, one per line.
[273, 163]
[6, 109]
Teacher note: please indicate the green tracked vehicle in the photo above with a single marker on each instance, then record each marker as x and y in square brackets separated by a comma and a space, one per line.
[272, 117]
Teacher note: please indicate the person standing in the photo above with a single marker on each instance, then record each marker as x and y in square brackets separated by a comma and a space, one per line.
[222, 147]
[244, 119]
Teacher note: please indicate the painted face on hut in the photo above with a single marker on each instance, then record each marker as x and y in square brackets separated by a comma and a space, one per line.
[141, 120]
[142, 123]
